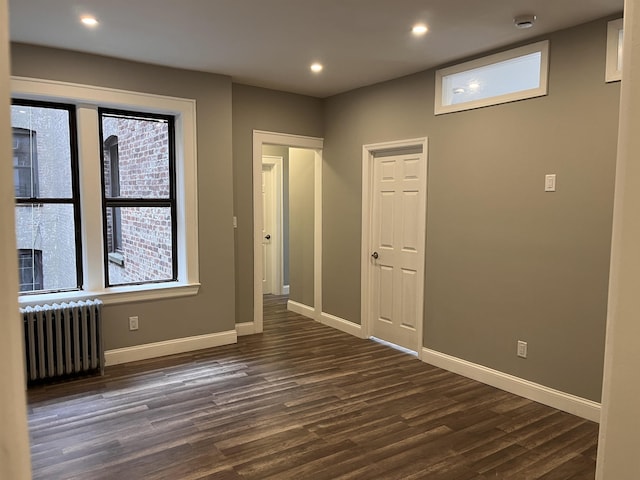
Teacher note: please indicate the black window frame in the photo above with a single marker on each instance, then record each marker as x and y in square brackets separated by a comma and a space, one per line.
[111, 202]
[74, 200]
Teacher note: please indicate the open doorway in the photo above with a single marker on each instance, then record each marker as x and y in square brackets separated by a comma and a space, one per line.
[287, 231]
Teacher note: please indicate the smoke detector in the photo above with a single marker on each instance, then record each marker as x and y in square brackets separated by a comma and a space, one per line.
[524, 21]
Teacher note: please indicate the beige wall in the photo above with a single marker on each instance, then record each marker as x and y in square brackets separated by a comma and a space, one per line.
[620, 428]
[260, 109]
[301, 225]
[504, 260]
[213, 309]
[14, 441]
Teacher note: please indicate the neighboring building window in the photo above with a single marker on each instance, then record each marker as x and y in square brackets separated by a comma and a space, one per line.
[615, 36]
[25, 163]
[112, 186]
[47, 195]
[30, 270]
[516, 74]
[139, 200]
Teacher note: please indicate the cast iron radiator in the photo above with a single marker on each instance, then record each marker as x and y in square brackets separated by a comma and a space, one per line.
[63, 339]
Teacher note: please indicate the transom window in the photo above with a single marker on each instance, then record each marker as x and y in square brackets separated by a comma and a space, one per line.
[615, 37]
[516, 74]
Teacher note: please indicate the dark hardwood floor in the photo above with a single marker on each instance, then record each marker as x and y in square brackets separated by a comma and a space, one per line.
[301, 401]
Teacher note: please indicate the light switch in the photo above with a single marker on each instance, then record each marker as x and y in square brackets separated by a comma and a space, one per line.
[550, 182]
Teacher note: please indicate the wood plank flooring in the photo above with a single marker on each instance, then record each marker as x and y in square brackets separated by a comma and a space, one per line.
[301, 401]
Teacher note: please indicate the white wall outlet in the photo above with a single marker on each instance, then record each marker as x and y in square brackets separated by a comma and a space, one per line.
[235, 222]
[133, 323]
[550, 182]
[522, 349]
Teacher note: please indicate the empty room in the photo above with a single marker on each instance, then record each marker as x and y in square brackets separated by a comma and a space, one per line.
[319, 239]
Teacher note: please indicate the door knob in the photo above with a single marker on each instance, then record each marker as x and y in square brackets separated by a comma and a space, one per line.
[267, 236]
[375, 255]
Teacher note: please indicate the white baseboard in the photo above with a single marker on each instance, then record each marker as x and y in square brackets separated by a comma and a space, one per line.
[245, 328]
[533, 391]
[285, 290]
[341, 324]
[169, 347]
[326, 319]
[301, 309]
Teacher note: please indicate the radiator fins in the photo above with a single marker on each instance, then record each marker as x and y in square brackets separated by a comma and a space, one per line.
[63, 339]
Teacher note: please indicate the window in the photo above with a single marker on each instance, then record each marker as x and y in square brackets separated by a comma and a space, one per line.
[615, 35]
[30, 270]
[111, 169]
[125, 227]
[138, 197]
[516, 74]
[25, 163]
[47, 196]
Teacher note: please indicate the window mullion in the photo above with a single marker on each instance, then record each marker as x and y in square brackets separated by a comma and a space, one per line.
[90, 194]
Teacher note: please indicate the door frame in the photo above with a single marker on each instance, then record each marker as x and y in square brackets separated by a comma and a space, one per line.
[277, 244]
[261, 138]
[368, 153]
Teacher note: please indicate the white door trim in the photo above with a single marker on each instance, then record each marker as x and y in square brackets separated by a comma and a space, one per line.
[368, 153]
[277, 245]
[261, 138]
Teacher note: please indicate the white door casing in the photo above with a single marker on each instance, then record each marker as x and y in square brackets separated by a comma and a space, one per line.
[261, 138]
[394, 231]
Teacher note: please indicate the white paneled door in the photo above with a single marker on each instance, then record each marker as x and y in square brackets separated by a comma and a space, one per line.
[267, 228]
[398, 219]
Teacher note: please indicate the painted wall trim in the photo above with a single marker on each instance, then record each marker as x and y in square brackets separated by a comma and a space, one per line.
[260, 138]
[342, 325]
[533, 391]
[245, 328]
[169, 347]
[301, 309]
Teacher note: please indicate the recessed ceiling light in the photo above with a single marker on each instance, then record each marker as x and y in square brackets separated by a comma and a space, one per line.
[474, 85]
[458, 90]
[89, 20]
[316, 67]
[419, 29]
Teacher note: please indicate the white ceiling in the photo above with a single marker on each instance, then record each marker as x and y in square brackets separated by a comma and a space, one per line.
[271, 43]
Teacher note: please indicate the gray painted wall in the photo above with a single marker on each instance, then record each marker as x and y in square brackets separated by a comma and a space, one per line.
[301, 225]
[213, 309]
[504, 260]
[260, 109]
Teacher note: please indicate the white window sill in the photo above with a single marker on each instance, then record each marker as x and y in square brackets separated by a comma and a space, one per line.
[116, 295]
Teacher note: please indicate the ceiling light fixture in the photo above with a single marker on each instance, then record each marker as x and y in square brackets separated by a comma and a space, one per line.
[524, 21]
[316, 67]
[419, 29]
[89, 20]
